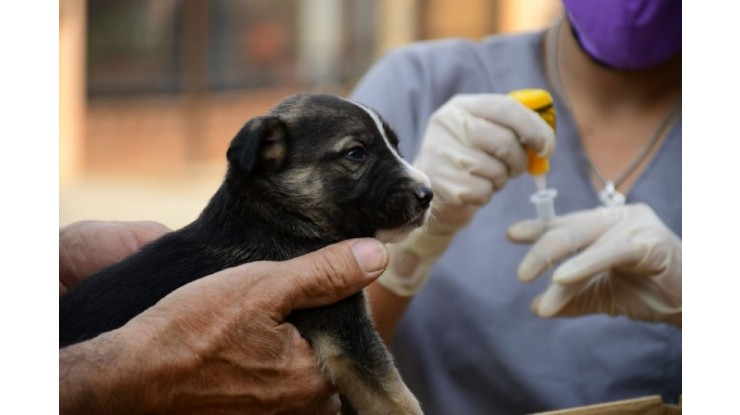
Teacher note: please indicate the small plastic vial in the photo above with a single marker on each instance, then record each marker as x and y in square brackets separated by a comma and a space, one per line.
[544, 201]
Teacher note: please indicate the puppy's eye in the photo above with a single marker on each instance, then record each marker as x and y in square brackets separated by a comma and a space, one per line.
[356, 154]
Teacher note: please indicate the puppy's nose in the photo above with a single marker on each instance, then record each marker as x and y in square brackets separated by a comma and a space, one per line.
[424, 196]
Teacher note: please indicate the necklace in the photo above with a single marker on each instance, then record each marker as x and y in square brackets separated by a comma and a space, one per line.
[609, 195]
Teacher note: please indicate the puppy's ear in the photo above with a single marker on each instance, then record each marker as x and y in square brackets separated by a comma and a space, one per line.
[261, 145]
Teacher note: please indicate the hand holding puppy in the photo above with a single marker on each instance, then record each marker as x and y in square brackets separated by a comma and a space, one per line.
[234, 350]
[89, 246]
[472, 146]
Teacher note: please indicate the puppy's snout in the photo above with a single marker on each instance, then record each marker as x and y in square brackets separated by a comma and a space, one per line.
[424, 195]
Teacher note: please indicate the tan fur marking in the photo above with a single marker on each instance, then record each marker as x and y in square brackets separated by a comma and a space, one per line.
[301, 180]
[274, 151]
[395, 398]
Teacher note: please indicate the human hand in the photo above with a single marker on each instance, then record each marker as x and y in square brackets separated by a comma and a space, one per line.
[626, 262]
[221, 344]
[473, 144]
[88, 246]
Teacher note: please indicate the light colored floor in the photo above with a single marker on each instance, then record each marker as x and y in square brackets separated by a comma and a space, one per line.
[174, 201]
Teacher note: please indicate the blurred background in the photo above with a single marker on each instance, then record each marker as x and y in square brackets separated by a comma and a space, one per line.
[152, 91]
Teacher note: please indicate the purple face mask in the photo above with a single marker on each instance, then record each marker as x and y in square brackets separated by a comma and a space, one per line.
[627, 34]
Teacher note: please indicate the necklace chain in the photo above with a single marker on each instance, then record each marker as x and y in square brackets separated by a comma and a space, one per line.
[609, 195]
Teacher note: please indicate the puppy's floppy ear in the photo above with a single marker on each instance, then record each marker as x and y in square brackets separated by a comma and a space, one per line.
[261, 145]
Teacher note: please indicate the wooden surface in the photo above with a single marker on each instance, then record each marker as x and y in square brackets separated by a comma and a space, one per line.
[650, 405]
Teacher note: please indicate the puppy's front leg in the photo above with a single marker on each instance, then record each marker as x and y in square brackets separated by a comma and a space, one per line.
[356, 360]
[370, 382]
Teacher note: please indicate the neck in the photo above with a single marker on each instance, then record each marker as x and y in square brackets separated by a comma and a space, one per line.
[587, 80]
[621, 116]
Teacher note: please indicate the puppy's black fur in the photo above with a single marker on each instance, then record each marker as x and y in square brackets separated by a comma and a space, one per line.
[316, 170]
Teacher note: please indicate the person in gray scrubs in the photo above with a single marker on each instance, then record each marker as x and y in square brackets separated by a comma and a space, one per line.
[488, 311]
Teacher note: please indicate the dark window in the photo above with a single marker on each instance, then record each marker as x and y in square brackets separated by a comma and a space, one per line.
[171, 46]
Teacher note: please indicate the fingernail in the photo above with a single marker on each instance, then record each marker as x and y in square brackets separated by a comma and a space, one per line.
[370, 254]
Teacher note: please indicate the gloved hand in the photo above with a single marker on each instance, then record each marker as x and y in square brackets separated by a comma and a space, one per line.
[472, 145]
[626, 262]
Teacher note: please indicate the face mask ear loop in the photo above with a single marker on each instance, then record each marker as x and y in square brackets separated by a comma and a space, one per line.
[577, 37]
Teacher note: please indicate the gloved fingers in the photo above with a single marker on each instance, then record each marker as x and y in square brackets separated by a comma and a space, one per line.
[644, 249]
[556, 244]
[473, 142]
[485, 167]
[451, 157]
[529, 230]
[476, 190]
[606, 293]
[525, 231]
[547, 251]
[529, 127]
[465, 176]
[556, 300]
[605, 255]
[499, 142]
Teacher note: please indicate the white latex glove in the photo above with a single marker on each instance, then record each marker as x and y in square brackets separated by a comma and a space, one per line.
[627, 263]
[473, 144]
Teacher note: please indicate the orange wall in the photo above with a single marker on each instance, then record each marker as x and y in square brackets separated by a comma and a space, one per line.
[71, 87]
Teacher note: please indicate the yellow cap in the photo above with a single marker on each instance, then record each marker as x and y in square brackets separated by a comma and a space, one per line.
[540, 101]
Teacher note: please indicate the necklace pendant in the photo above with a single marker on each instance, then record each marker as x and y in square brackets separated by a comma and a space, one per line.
[610, 197]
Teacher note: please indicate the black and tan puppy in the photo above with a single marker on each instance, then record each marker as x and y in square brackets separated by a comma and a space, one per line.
[316, 170]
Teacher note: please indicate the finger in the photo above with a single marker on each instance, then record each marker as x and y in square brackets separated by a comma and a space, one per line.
[526, 231]
[555, 299]
[566, 236]
[463, 189]
[553, 246]
[597, 259]
[327, 275]
[529, 230]
[144, 232]
[530, 128]
[468, 176]
[557, 306]
[499, 142]
[482, 165]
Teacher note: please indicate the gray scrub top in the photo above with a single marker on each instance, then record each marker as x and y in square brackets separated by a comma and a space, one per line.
[468, 343]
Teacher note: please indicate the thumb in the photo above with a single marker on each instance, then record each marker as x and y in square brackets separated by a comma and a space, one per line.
[328, 275]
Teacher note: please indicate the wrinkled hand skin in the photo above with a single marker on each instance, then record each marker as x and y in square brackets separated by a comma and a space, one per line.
[89, 246]
[623, 261]
[240, 356]
[220, 345]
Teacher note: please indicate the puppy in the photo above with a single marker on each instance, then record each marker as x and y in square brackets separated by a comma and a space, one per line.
[317, 169]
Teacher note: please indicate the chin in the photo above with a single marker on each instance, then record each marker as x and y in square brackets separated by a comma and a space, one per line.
[399, 234]
[393, 235]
